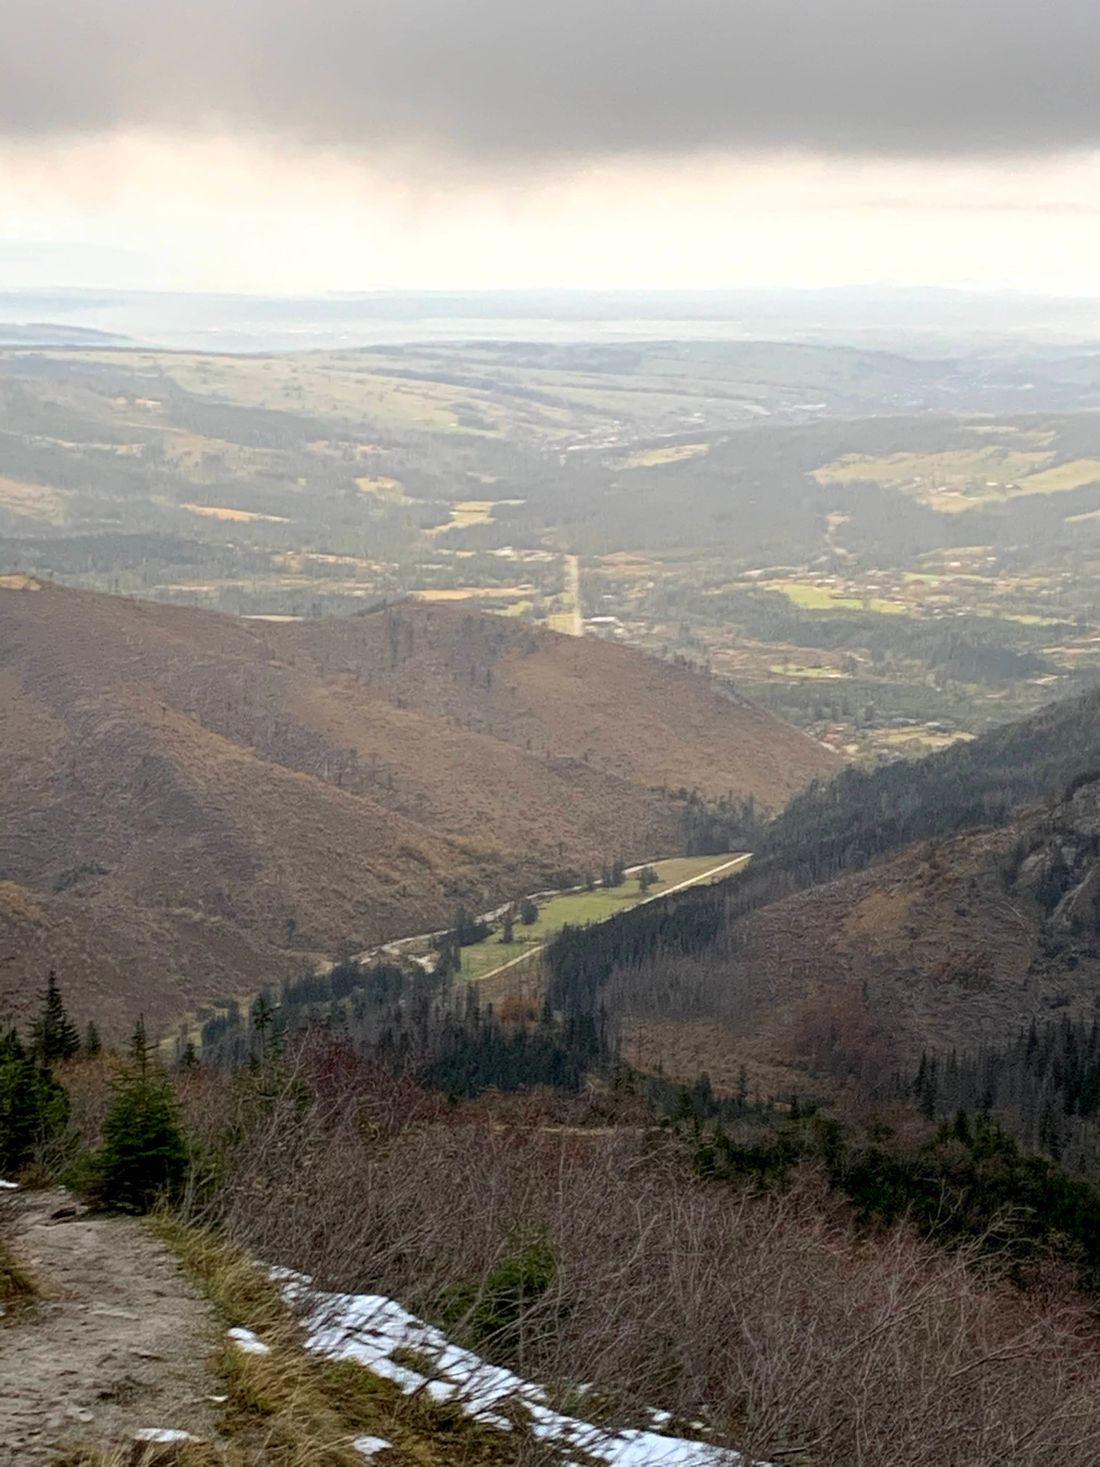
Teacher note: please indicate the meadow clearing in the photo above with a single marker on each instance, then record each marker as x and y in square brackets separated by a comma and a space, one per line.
[581, 908]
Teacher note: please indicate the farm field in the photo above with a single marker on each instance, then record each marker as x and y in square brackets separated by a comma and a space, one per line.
[652, 458]
[578, 909]
[812, 597]
[884, 555]
[958, 480]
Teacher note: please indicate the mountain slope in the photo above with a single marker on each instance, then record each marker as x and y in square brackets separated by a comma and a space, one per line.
[866, 813]
[883, 913]
[192, 803]
[946, 947]
[624, 713]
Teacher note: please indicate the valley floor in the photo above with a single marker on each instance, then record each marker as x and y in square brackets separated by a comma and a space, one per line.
[492, 957]
[579, 907]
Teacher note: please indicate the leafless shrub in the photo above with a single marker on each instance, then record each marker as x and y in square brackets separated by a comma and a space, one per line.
[771, 1318]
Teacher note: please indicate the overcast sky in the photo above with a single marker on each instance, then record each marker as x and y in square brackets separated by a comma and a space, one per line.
[306, 145]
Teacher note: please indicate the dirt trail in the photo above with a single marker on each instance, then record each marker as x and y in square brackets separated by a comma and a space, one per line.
[117, 1341]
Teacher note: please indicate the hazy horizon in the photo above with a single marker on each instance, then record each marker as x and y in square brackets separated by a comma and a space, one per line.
[907, 319]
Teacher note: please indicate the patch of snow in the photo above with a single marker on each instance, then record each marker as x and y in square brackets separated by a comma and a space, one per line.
[406, 1380]
[289, 1278]
[163, 1434]
[248, 1343]
[9, 1186]
[498, 1423]
[370, 1446]
[369, 1329]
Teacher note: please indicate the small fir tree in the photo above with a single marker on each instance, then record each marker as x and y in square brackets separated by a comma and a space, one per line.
[55, 1035]
[144, 1154]
[263, 1019]
[448, 961]
[92, 1042]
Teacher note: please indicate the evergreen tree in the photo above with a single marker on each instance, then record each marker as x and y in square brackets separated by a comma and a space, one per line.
[528, 912]
[140, 1048]
[55, 1034]
[508, 928]
[742, 1094]
[144, 1154]
[647, 877]
[92, 1043]
[448, 962]
[263, 1020]
[33, 1106]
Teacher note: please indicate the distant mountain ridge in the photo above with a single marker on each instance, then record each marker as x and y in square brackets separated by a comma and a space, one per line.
[52, 333]
[192, 804]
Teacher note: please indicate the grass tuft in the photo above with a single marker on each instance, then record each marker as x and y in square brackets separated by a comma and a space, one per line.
[290, 1409]
[17, 1286]
[277, 1403]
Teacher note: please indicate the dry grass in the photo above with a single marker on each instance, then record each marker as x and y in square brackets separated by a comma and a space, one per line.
[277, 1403]
[474, 593]
[234, 516]
[17, 1284]
[186, 1454]
[673, 453]
[384, 488]
[1060, 477]
[465, 514]
[18, 1287]
[290, 1409]
[34, 501]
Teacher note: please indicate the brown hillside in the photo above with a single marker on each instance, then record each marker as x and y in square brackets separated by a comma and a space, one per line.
[192, 804]
[946, 947]
[620, 711]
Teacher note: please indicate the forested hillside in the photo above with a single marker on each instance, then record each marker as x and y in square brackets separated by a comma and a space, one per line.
[890, 913]
[862, 814]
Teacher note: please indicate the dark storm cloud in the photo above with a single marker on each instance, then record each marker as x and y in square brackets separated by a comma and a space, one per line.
[545, 79]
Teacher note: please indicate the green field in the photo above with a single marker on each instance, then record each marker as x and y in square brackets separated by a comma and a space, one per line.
[576, 909]
[810, 597]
